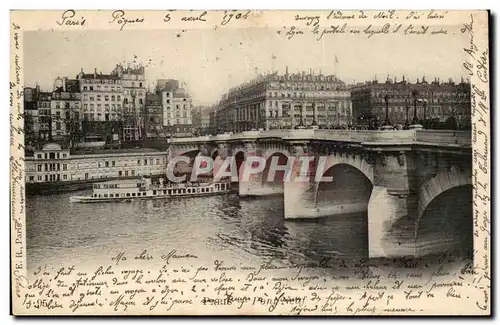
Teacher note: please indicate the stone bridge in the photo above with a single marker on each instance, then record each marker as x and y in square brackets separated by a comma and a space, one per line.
[414, 186]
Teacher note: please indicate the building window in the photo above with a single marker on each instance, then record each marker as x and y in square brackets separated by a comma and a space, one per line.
[113, 163]
[119, 173]
[106, 98]
[107, 163]
[65, 166]
[65, 177]
[32, 178]
[145, 162]
[138, 162]
[39, 168]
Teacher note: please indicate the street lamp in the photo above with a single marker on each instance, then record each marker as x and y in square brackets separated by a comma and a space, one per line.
[415, 119]
[425, 109]
[407, 121]
[415, 124]
[314, 114]
[387, 123]
[301, 124]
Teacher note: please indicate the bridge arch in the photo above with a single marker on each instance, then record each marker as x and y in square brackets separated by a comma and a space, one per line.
[348, 191]
[356, 161]
[447, 190]
[239, 157]
[276, 181]
[214, 153]
[273, 152]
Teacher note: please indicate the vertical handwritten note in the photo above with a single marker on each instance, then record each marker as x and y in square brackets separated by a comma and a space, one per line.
[477, 66]
[17, 188]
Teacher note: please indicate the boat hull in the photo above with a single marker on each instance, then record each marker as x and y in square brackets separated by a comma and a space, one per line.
[90, 199]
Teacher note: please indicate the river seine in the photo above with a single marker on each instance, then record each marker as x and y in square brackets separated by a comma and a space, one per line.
[250, 230]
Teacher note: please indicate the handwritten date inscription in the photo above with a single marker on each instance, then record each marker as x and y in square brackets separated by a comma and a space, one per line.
[177, 282]
[68, 19]
[119, 17]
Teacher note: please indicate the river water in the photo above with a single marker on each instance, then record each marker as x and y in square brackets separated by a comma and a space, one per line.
[250, 230]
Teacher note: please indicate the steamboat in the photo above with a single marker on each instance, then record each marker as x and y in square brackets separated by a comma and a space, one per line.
[127, 190]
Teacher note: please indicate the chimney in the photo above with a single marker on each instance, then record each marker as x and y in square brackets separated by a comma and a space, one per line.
[286, 70]
[64, 83]
[95, 72]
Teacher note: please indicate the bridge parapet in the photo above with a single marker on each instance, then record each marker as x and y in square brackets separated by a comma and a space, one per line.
[430, 137]
[444, 137]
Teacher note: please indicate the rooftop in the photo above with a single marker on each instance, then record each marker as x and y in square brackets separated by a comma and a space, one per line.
[99, 76]
[112, 151]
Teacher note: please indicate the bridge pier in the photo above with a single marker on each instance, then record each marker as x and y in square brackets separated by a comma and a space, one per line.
[391, 225]
[251, 182]
[300, 190]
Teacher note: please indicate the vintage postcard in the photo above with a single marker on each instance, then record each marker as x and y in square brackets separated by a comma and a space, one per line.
[243, 162]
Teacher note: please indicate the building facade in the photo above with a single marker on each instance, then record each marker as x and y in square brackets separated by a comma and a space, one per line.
[44, 116]
[438, 104]
[176, 104]
[153, 118]
[285, 101]
[133, 81]
[54, 164]
[102, 96]
[65, 108]
[31, 123]
[201, 119]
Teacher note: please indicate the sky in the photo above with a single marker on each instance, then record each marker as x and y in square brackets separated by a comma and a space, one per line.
[210, 61]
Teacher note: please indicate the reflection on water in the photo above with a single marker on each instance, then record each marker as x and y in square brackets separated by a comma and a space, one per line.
[225, 227]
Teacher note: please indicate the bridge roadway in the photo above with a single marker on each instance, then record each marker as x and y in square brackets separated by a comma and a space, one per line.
[414, 185]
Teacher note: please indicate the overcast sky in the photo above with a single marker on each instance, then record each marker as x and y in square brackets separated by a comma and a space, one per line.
[210, 61]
